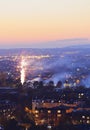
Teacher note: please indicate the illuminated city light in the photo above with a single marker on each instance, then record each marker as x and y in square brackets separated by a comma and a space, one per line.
[77, 81]
[38, 57]
[49, 126]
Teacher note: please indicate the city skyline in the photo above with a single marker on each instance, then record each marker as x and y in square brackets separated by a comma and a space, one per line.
[42, 23]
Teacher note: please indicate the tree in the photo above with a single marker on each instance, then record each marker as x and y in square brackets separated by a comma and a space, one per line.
[59, 84]
[51, 83]
[12, 124]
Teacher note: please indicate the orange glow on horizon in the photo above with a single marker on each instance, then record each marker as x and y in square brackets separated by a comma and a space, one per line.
[32, 21]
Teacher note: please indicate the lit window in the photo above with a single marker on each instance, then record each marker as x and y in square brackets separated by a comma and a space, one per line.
[36, 123]
[4, 110]
[36, 111]
[49, 126]
[52, 101]
[80, 121]
[83, 117]
[49, 111]
[82, 94]
[13, 117]
[8, 109]
[88, 121]
[79, 96]
[58, 115]
[42, 101]
[36, 115]
[9, 115]
[58, 111]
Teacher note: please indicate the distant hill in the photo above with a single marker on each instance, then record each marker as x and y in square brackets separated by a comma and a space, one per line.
[38, 51]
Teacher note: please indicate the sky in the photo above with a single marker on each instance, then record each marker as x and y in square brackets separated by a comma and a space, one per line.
[41, 23]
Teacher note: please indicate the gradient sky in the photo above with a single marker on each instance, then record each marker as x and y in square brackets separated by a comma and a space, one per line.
[34, 23]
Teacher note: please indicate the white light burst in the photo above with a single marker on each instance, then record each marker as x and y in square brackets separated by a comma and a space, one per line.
[23, 67]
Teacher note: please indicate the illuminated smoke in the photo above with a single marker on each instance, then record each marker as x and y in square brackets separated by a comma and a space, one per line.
[23, 67]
